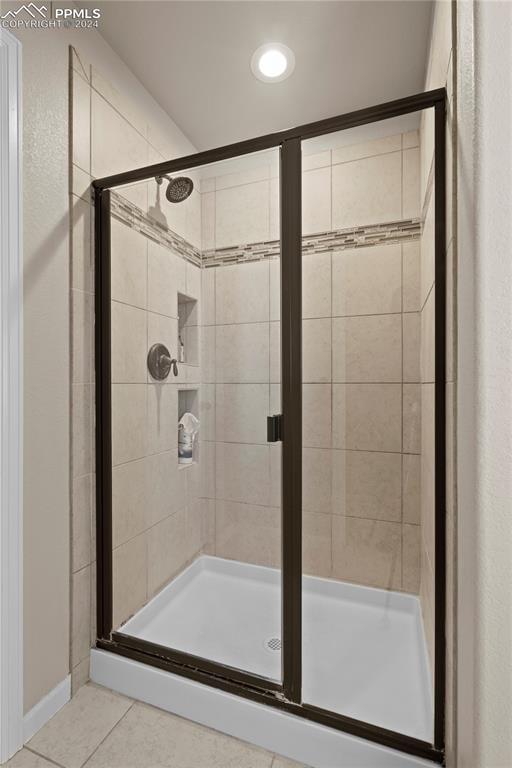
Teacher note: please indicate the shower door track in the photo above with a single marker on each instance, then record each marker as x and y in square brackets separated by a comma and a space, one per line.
[285, 696]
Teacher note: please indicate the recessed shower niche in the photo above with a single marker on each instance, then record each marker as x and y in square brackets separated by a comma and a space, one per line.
[188, 330]
[188, 403]
[308, 293]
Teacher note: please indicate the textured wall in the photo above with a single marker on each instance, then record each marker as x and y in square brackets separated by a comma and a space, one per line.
[47, 374]
[46, 365]
[484, 109]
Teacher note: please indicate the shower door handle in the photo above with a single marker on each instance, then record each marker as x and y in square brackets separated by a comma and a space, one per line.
[274, 428]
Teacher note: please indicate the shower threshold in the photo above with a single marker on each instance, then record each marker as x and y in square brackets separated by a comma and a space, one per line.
[364, 653]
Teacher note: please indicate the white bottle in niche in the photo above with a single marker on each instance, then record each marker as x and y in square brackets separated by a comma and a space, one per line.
[181, 349]
[188, 427]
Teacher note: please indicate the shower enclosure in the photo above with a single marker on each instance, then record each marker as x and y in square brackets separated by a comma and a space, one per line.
[291, 297]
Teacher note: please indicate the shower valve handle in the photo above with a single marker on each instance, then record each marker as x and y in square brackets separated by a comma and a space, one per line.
[160, 362]
[171, 362]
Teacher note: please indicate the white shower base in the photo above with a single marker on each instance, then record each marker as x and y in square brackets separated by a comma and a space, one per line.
[363, 649]
[364, 656]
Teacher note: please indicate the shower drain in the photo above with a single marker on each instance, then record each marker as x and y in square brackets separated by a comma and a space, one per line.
[273, 644]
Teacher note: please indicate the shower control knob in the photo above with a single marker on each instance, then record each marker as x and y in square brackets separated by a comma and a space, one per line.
[160, 362]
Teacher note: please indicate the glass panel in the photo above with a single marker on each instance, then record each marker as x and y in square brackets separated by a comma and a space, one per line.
[196, 507]
[368, 420]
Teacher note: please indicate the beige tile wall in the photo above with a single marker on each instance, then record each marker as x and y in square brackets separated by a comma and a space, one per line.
[361, 370]
[82, 366]
[427, 299]
[158, 520]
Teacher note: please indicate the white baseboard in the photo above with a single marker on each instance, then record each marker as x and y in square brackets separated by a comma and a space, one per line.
[45, 709]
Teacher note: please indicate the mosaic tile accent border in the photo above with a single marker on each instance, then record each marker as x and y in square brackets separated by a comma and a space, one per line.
[321, 242]
[429, 190]
[130, 214]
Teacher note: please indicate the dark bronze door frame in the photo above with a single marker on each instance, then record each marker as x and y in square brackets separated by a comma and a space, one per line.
[286, 696]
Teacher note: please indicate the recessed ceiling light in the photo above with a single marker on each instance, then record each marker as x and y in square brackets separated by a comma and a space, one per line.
[272, 62]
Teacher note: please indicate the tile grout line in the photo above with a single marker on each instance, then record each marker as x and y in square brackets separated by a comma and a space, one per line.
[176, 330]
[92, 261]
[72, 323]
[315, 447]
[214, 386]
[89, 384]
[44, 757]
[331, 445]
[402, 452]
[82, 765]
[308, 318]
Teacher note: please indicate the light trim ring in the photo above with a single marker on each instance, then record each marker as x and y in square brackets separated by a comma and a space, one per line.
[272, 62]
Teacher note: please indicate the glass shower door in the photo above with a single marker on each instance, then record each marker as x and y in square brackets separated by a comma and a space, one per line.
[294, 544]
[195, 310]
[368, 420]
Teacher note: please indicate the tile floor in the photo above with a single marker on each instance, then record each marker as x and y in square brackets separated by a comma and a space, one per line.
[100, 729]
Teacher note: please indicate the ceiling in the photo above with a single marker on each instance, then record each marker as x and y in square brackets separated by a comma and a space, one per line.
[194, 58]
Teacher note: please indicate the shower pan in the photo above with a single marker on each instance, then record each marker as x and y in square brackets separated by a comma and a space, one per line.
[288, 584]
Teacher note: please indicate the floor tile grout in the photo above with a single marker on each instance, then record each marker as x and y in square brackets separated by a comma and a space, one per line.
[272, 759]
[44, 757]
[108, 734]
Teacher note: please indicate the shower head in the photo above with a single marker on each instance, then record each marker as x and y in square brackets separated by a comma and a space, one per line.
[178, 189]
